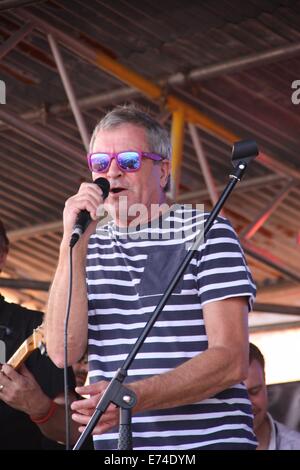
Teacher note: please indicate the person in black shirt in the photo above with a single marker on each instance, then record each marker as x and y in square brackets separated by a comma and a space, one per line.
[32, 414]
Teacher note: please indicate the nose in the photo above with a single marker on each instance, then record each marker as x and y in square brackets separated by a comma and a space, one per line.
[113, 170]
[253, 403]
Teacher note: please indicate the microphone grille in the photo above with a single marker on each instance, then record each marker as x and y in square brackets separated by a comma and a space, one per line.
[103, 183]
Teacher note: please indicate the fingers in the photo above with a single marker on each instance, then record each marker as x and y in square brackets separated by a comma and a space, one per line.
[92, 194]
[10, 373]
[5, 380]
[93, 191]
[82, 405]
[98, 429]
[81, 418]
[92, 389]
[108, 420]
[89, 197]
[25, 372]
[86, 404]
[84, 411]
[10, 382]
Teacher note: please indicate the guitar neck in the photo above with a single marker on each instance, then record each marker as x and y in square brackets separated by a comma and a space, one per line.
[34, 341]
[20, 355]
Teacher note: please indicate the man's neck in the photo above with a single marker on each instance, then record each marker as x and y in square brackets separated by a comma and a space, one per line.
[152, 214]
[263, 434]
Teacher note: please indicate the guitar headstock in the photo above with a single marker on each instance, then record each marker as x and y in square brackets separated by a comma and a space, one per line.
[38, 337]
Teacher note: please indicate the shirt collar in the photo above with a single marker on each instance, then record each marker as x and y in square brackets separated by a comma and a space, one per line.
[272, 442]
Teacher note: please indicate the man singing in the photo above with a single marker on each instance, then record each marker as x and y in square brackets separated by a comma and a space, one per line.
[187, 376]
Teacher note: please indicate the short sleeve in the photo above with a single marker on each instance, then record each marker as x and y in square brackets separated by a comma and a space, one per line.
[222, 270]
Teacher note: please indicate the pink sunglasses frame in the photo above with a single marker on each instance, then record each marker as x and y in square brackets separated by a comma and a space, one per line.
[152, 156]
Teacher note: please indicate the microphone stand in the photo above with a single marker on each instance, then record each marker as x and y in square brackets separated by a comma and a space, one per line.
[242, 153]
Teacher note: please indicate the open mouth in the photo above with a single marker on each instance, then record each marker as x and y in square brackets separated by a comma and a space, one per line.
[117, 190]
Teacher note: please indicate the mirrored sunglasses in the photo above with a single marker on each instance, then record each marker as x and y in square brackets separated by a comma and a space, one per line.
[128, 160]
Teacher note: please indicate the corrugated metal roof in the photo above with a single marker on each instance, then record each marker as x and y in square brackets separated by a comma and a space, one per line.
[160, 41]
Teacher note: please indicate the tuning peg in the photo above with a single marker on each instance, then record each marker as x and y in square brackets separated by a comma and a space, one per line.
[42, 348]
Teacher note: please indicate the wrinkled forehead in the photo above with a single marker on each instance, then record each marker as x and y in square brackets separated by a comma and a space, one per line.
[122, 137]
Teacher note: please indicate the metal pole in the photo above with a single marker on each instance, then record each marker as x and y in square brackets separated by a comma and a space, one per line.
[15, 38]
[208, 177]
[267, 258]
[275, 326]
[9, 283]
[194, 196]
[264, 215]
[8, 4]
[40, 229]
[41, 136]
[240, 63]
[100, 99]
[70, 92]
[177, 138]
[276, 308]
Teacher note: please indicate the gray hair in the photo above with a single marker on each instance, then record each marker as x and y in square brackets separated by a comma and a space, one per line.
[158, 138]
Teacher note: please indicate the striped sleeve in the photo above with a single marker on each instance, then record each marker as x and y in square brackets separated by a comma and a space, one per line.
[222, 270]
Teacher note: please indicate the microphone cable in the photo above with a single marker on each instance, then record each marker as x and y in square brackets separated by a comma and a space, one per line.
[66, 323]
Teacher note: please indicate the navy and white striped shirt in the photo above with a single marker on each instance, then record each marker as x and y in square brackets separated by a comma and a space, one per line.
[126, 275]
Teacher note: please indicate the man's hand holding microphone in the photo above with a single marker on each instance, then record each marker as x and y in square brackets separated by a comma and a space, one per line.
[81, 210]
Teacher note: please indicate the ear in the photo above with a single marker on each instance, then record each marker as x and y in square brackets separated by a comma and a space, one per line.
[165, 169]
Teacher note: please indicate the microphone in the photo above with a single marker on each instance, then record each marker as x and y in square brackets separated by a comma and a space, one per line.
[83, 219]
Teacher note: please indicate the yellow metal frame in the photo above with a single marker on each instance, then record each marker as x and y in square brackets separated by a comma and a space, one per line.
[173, 103]
[177, 139]
[155, 92]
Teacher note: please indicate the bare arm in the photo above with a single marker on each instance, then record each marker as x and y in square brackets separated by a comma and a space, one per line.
[222, 365]
[55, 427]
[89, 197]
[23, 393]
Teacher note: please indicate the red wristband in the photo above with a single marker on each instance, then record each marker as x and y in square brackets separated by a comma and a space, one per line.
[46, 418]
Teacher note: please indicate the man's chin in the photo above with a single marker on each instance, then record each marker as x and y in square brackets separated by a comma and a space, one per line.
[119, 216]
[257, 422]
